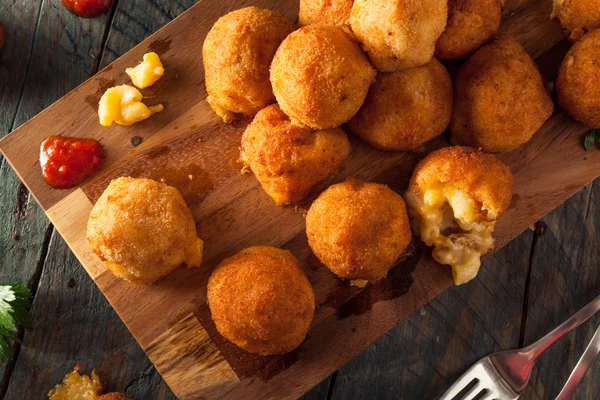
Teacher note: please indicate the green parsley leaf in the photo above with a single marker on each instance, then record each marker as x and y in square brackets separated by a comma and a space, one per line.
[14, 312]
[590, 138]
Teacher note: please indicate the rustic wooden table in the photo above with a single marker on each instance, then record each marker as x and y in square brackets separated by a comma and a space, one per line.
[524, 290]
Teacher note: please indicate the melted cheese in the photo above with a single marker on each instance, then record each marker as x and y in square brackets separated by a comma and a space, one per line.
[123, 105]
[147, 72]
[451, 222]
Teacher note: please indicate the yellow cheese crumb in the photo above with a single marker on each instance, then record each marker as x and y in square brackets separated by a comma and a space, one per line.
[147, 72]
[194, 253]
[123, 105]
[359, 283]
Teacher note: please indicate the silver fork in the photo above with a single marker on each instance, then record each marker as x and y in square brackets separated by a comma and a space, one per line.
[504, 375]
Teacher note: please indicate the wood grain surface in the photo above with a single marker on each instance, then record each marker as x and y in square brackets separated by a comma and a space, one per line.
[559, 134]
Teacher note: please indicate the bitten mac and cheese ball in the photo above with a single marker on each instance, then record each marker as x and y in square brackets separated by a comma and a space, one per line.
[500, 99]
[334, 12]
[261, 300]
[454, 198]
[320, 76]
[578, 81]
[289, 160]
[237, 53]
[399, 34]
[470, 24]
[358, 229]
[406, 108]
[142, 230]
[577, 17]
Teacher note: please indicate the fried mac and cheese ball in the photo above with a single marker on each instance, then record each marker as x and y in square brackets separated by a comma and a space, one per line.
[577, 17]
[334, 12]
[454, 198]
[261, 300]
[406, 108]
[143, 230]
[500, 99]
[470, 24]
[237, 53]
[289, 160]
[320, 76]
[578, 81]
[359, 230]
[399, 34]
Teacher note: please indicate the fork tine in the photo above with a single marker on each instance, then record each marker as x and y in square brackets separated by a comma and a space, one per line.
[488, 396]
[458, 386]
[475, 390]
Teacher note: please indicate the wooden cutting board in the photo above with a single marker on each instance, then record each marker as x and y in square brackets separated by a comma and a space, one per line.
[188, 147]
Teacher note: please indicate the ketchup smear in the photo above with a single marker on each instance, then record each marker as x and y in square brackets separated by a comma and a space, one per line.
[87, 8]
[67, 161]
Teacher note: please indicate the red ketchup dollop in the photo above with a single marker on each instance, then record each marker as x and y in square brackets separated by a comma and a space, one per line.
[87, 8]
[67, 161]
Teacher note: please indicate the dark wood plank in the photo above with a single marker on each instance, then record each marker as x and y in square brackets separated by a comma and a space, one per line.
[73, 323]
[64, 51]
[135, 20]
[321, 391]
[564, 277]
[109, 345]
[423, 355]
[54, 243]
[24, 231]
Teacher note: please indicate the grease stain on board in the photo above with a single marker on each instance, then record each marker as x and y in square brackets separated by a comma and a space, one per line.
[160, 46]
[191, 180]
[397, 283]
[245, 364]
[103, 84]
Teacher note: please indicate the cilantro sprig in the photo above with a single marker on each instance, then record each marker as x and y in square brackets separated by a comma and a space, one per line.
[590, 138]
[14, 312]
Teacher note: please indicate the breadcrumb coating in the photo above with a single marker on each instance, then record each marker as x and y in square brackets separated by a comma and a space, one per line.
[261, 300]
[237, 53]
[320, 76]
[143, 230]
[358, 229]
[334, 12]
[406, 108]
[577, 17]
[482, 176]
[500, 99]
[399, 34]
[289, 160]
[471, 23]
[578, 81]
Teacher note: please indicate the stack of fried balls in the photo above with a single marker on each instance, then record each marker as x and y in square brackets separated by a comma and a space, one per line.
[373, 69]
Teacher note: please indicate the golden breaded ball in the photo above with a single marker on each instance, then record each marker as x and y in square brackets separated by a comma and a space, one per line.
[358, 229]
[406, 108]
[261, 300]
[320, 76]
[454, 198]
[578, 81]
[399, 34]
[334, 12]
[500, 99]
[143, 230]
[577, 17]
[237, 53]
[289, 160]
[470, 24]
